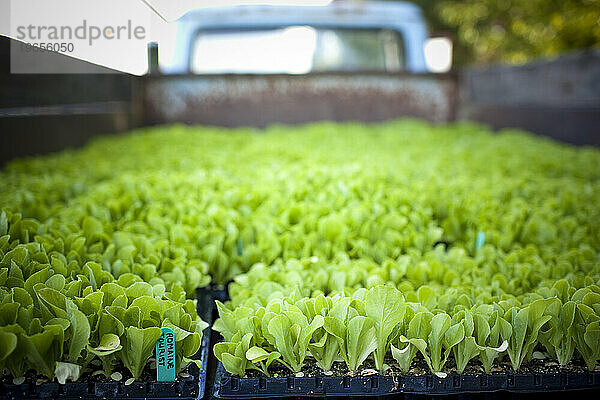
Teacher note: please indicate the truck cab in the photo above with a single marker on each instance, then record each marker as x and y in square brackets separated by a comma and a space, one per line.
[341, 36]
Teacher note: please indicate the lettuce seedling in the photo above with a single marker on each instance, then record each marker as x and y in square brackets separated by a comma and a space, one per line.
[260, 359]
[384, 305]
[467, 348]
[138, 346]
[491, 334]
[292, 333]
[324, 347]
[443, 336]
[233, 354]
[558, 336]
[356, 334]
[587, 335]
[526, 324]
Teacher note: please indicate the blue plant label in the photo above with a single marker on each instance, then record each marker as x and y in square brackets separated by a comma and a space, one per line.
[480, 241]
[165, 356]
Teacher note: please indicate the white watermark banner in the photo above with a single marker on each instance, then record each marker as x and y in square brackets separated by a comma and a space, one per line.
[73, 36]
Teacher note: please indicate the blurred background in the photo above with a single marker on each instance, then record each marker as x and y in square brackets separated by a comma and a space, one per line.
[533, 65]
[479, 32]
[475, 32]
[514, 31]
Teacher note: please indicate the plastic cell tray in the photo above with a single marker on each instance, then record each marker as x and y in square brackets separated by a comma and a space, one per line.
[192, 387]
[227, 386]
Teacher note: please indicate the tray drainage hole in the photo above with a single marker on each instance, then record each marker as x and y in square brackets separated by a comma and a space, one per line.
[483, 381]
[262, 383]
[456, 381]
[235, 384]
[537, 380]
[374, 382]
[563, 380]
[511, 381]
[318, 383]
[428, 382]
[91, 388]
[346, 382]
[590, 379]
[290, 383]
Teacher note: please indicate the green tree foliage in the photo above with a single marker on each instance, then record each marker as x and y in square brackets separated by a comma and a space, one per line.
[514, 31]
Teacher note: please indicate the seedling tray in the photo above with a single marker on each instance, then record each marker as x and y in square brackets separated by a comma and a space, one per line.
[191, 387]
[218, 292]
[227, 386]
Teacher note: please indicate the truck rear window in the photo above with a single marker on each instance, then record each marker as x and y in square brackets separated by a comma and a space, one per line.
[297, 50]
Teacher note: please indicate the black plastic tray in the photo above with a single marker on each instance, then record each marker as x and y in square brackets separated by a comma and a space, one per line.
[192, 387]
[205, 308]
[227, 386]
[219, 292]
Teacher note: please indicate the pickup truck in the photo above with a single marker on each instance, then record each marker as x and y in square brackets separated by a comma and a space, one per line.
[557, 98]
[365, 61]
